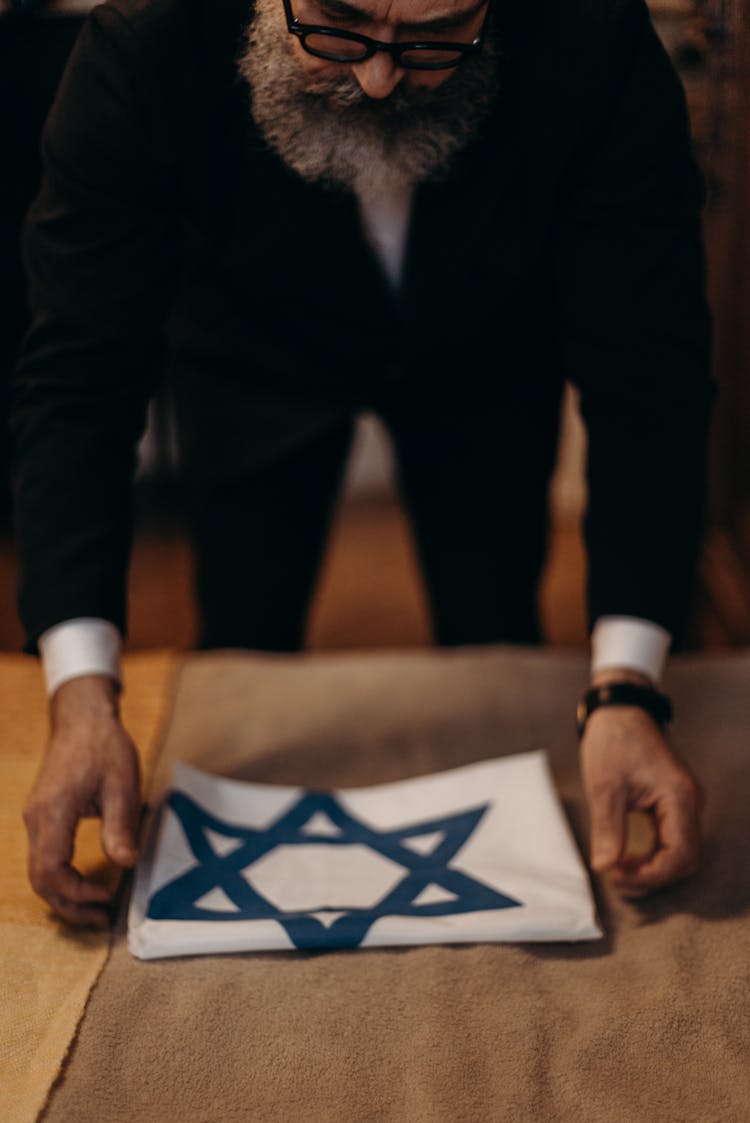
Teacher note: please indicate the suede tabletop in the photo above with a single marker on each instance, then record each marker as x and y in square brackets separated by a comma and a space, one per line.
[653, 1022]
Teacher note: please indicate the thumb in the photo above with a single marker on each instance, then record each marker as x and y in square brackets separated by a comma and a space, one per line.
[608, 827]
[118, 823]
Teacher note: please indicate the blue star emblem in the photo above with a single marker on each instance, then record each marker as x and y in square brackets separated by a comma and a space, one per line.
[177, 900]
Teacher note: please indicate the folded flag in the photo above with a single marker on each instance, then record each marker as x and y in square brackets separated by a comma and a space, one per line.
[480, 853]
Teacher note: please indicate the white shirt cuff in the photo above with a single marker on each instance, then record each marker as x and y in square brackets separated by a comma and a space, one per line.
[86, 645]
[628, 641]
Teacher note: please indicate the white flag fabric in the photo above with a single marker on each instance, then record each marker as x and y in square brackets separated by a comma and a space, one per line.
[481, 853]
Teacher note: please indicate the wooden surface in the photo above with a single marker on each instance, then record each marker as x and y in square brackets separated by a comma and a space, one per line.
[369, 594]
[370, 591]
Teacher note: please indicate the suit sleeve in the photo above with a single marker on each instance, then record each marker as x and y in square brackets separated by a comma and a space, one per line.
[636, 332]
[99, 255]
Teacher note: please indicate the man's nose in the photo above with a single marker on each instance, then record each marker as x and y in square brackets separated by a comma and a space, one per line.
[378, 76]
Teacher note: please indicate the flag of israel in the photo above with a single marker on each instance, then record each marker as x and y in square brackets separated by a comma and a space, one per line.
[481, 853]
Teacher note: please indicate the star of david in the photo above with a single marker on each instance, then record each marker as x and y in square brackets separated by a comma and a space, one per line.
[215, 870]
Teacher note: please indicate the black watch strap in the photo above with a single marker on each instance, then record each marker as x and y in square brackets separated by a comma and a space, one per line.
[647, 698]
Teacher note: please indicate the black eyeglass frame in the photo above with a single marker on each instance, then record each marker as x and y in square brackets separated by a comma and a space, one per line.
[395, 50]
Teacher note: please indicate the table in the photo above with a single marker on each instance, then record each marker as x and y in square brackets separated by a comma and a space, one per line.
[652, 1022]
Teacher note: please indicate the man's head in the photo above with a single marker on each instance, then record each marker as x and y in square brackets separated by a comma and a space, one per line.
[387, 24]
[364, 122]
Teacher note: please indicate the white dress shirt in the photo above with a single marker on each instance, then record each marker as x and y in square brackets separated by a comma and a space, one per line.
[88, 645]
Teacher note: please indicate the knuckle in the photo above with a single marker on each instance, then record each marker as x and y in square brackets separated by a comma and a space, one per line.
[694, 796]
[685, 789]
[63, 909]
[689, 785]
[40, 809]
[685, 859]
[603, 792]
[120, 779]
[46, 890]
[46, 872]
[31, 814]
[34, 869]
[38, 883]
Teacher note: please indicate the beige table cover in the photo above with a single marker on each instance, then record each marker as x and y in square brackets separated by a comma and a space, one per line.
[47, 968]
[652, 1023]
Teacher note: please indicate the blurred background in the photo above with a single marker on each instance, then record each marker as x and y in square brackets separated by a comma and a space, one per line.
[370, 589]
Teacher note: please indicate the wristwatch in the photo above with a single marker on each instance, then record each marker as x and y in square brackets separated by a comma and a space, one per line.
[647, 698]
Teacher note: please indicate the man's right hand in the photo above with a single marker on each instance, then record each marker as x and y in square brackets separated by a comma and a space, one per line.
[90, 769]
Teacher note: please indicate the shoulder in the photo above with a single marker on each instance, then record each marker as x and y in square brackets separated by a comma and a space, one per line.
[199, 37]
[576, 50]
[154, 19]
[585, 33]
[176, 58]
[594, 19]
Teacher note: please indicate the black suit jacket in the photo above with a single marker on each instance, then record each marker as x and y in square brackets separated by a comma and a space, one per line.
[566, 242]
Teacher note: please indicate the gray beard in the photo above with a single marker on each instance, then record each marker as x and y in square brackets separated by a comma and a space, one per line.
[328, 130]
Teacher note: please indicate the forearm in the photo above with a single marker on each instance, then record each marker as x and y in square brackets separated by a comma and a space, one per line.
[636, 337]
[73, 516]
[645, 517]
[99, 248]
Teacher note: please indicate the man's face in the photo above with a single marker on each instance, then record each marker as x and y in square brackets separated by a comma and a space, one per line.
[370, 124]
[389, 21]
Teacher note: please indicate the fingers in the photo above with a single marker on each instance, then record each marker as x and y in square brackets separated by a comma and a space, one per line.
[90, 768]
[628, 765]
[608, 826]
[119, 815]
[677, 851]
[77, 899]
[82, 916]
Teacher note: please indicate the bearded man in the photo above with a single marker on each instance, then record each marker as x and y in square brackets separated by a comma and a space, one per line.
[435, 210]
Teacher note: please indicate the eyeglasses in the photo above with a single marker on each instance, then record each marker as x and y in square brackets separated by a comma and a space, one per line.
[348, 46]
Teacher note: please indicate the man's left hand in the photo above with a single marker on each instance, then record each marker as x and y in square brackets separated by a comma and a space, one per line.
[627, 764]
